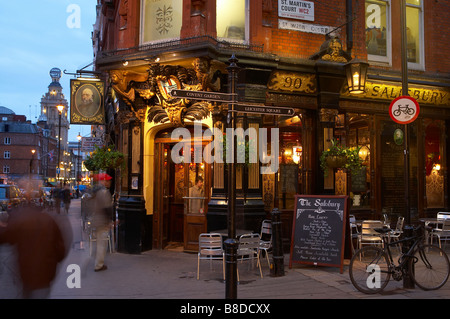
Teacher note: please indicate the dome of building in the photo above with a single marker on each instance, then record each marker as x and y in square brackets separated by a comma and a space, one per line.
[5, 110]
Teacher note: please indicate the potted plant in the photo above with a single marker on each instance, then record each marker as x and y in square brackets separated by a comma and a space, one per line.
[104, 158]
[338, 156]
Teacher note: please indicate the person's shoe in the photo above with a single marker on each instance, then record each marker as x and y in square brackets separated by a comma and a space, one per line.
[101, 268]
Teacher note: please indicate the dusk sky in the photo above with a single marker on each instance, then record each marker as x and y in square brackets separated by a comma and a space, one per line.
[36, 36]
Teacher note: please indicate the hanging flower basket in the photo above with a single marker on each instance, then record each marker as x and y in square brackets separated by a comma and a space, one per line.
[336, 161]
[104, 158]
[338, 156]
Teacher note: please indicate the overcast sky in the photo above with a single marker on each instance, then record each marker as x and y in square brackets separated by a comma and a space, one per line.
[35, 36]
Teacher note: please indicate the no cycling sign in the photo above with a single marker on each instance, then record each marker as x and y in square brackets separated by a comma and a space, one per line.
[404, 110]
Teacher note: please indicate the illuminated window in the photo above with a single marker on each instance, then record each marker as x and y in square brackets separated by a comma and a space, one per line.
[161, 20]
[414, 33]
[378, 30]
[231, 20]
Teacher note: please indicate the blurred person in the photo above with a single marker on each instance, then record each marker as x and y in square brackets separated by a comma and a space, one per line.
[65, 195]
[56, 194]
[102, 218]
[196, 204]
[40, 247]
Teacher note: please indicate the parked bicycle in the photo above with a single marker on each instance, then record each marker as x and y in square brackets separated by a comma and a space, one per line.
[372, 267]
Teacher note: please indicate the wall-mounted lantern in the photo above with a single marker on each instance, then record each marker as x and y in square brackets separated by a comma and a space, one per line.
[356, 76]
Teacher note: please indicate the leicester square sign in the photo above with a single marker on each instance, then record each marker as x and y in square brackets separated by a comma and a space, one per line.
[404, 110]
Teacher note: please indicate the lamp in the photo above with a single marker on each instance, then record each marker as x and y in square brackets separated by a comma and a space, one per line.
[78, 168]
[356, 71]
[60, 108]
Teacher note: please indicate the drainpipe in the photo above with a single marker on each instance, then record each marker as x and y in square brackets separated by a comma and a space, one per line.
[349, 26]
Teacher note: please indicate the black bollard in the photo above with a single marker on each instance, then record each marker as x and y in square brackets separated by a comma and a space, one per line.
[277, 266]
[231, 246]
[408, 282]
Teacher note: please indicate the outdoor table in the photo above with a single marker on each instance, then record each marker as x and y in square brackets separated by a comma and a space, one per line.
[239, 232]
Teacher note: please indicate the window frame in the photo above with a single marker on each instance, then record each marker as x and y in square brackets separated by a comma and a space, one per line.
[379, 58]
[247, 26]
[142, 25]
[421, 64]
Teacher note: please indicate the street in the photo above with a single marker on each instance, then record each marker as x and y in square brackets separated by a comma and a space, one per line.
[171, 274]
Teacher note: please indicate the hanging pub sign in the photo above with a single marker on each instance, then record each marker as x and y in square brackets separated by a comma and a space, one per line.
[86, 102]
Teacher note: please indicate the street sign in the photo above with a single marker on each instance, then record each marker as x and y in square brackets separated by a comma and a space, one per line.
[404, 110]
[88, 143]
[201, 95]
[264, 109]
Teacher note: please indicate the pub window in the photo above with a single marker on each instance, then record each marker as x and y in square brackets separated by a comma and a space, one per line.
[7, 141]
[161, 20]
[414, 34]
[6, 169]
[7, 154]
[232, 20]
[433, 160]
[378, 30]
[359, 136]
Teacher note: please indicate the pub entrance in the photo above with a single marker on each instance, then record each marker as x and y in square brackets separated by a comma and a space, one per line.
[181, 193]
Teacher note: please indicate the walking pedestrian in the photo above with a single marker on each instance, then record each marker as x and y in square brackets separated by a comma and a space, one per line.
[66, 198]
[39, 245]
[102, 218]
[56, 195]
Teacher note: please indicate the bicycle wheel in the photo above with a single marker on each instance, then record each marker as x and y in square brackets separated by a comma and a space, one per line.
[430, 267]
[369, 270]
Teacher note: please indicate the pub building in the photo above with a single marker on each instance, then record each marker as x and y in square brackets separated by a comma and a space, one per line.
[165, 202]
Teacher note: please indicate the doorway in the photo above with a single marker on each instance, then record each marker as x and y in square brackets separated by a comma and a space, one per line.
[181, 193]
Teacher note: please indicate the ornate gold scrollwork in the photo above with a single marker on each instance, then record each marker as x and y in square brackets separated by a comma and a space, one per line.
[153, 88]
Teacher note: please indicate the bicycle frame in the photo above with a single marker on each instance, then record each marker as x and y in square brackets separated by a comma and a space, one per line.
[402, 264]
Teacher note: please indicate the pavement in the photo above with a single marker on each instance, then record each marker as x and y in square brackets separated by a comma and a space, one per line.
[172, 274]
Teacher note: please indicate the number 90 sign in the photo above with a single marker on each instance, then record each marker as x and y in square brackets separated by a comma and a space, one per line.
[404, 110]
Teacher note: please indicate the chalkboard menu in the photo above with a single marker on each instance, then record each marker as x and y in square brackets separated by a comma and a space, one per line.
[318, 230]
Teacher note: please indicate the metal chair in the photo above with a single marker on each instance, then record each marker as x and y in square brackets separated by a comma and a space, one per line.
[210, 248]
[93, 238]
[397, 232]
[265, 242]
[368, 235]
[354, 232]
[248, 249]
[442, 230]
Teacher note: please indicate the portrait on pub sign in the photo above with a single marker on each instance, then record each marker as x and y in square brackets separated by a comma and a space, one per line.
[86, 103]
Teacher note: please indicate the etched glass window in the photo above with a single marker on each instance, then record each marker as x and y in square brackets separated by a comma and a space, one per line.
[161, 20]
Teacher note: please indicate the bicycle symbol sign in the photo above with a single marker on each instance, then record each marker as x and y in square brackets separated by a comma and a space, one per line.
[404, 110]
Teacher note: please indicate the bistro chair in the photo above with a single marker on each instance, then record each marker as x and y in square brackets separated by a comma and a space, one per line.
[248, 249]
[93, 238]
[265, 241]
[397, 232]
[210, 248]
[442, 230]
[353, 231]
[368, 235]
